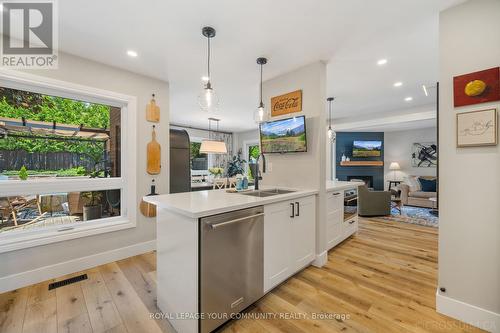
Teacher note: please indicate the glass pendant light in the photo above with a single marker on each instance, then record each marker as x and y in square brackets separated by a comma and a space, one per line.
[260, 115]
[208, 99]
[212, 146]
[332, 136]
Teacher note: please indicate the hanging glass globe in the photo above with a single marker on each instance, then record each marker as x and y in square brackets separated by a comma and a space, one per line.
[260, 115]
[208, 99]
[332, 136]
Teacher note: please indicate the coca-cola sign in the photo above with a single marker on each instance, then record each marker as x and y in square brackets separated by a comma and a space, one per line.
[287, 103]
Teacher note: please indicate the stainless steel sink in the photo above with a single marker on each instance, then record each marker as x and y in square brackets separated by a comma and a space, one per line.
[267, 193]
[278, 191]
[258, 194]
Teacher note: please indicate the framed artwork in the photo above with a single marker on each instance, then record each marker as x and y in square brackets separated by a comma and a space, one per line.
[477, 128]
[287, 103]
[424, 155]
[477, 87]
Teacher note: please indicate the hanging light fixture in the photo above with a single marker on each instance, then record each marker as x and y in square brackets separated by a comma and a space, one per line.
[331, 133]
[208, 99]
[212, 146]
[260, 114]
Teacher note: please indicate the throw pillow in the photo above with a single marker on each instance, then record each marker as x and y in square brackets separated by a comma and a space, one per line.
[413, 183]
[428, 185]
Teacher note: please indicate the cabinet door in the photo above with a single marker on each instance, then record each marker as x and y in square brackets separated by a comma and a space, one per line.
[277, 244]
[334, 218]
[304, 233]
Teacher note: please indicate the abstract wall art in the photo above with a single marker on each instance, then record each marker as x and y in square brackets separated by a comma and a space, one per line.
[424, 155]
[477, 128]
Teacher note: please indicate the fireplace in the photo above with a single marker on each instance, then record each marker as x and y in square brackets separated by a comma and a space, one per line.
[367, 179]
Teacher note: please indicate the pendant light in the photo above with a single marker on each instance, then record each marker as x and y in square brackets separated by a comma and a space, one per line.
[208, 99]
[331, 133]
[260, 114]
[212, 146]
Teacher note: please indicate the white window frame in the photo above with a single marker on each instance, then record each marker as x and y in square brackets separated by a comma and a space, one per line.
[126, 182]
[247, 144]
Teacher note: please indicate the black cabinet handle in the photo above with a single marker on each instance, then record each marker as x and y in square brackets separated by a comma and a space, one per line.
[293, 209]
[298, 208]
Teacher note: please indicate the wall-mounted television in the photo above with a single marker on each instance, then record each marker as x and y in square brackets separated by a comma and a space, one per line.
[366, 148]
[284, 135]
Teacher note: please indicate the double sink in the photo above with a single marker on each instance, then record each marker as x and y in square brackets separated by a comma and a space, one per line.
[266, 193]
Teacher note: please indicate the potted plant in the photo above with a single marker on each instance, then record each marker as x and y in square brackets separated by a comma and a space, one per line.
[92, 208]
[235, 166]
[216, 172]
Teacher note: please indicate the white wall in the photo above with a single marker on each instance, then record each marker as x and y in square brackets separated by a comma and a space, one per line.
[469, 185]
[241, 138]
[77, 70]
[303, 170]
[398, 148]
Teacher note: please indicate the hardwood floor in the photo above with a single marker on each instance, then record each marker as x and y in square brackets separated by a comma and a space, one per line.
[381, 280]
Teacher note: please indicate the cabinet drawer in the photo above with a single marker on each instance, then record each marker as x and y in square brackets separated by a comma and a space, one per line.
[334, 201]
[350, 227]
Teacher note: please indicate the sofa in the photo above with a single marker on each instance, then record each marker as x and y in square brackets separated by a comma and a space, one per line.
[373, 203]
[412, 193]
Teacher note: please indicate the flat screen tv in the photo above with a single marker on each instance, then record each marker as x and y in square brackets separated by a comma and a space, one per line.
[284, 135]
[366, 148]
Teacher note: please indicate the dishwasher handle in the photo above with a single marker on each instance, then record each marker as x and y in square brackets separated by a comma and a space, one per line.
[221, 224]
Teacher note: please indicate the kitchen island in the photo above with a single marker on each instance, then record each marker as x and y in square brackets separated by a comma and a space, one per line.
[218, 252]
[341, 211]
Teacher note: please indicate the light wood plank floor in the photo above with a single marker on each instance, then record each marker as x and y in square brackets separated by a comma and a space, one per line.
[381, 280]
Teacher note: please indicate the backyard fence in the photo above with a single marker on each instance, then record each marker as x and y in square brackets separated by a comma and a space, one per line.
[15, 159]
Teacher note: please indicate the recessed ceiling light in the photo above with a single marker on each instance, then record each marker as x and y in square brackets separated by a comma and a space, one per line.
[204, 78]
[398, 84]
[408, 99]
[382, 62]
[132, 53]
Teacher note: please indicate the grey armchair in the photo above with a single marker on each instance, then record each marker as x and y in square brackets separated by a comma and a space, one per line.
[373, 203]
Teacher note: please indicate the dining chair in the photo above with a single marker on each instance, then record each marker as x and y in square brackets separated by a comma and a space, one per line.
[219, 184]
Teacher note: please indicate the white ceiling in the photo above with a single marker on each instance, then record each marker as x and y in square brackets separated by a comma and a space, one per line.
[351, 35]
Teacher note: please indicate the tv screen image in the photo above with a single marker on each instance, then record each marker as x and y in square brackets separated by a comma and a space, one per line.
[366, 148]
[284, 135]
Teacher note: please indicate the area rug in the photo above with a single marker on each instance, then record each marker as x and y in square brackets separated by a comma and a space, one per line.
[413, 215]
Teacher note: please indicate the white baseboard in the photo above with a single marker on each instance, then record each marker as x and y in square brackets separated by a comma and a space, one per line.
[321, 259]
[470, 314]
[19, 280]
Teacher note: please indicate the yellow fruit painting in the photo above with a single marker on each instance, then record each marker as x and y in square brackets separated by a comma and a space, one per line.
[475, 88]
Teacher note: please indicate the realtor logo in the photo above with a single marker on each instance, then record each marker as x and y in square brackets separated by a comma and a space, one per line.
[29, 34]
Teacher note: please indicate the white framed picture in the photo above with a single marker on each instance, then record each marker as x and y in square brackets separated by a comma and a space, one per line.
[477, 128]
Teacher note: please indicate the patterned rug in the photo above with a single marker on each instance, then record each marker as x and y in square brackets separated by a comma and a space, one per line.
[413, 215]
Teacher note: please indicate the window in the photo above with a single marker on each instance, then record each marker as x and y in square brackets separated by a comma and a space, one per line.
[199, 161]
[62, 171]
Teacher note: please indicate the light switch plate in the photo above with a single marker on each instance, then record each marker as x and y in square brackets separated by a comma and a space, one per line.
[270, 167]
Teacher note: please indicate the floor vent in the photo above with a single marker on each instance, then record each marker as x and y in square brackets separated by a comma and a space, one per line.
[67, 281]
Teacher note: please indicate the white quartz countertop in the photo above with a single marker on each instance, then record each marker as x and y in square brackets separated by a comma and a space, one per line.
[211, 202]
[337, 185]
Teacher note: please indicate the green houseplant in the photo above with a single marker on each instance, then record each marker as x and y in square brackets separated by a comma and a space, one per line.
[92, 208]
[235, 166]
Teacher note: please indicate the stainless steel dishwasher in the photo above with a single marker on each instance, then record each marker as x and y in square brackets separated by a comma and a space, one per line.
[231, 264]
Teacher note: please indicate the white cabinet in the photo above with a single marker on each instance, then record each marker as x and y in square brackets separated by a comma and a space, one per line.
[303, 227]
[334, 218]
[289, 238]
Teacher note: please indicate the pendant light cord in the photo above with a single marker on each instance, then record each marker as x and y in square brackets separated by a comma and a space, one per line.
[208, 59]
[330, 115]
[261, 84]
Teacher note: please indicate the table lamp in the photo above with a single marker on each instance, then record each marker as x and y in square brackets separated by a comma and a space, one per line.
[394, 166]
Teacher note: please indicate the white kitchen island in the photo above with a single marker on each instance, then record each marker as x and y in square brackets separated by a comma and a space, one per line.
[289, 239]
[341, 220]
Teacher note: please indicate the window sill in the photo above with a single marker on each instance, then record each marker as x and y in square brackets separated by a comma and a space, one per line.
[22, 241]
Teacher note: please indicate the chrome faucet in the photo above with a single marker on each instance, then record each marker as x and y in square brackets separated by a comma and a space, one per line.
[257, 169]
